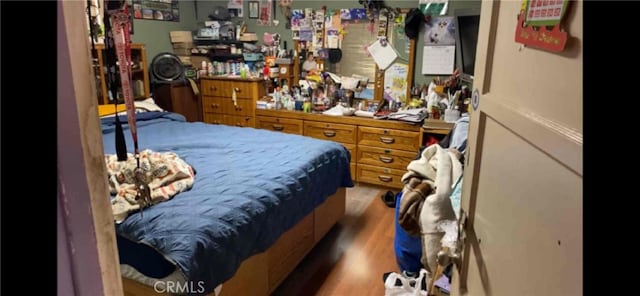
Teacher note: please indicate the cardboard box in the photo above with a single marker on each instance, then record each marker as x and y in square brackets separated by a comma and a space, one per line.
[182, 51]
[188, 45]
[181, 36]
[185, 60]
[248, 37]
[196, 61]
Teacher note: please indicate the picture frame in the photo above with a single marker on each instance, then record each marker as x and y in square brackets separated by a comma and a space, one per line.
[159, 10]
[254, 9]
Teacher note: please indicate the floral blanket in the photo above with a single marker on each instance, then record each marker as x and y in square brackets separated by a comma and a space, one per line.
[166, 174]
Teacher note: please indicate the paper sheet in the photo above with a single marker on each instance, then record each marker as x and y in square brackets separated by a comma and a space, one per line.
[438, 59]
[384, 56]
[332, 38]
[395, 81]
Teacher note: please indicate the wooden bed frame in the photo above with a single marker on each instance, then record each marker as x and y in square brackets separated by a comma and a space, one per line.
[261, 274]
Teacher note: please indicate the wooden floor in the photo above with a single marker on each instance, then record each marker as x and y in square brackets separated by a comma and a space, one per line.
[353, 256]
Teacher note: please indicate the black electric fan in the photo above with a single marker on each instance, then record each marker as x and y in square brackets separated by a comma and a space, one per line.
[166, 68]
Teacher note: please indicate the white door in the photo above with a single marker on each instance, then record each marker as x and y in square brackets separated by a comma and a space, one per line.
[523, 178]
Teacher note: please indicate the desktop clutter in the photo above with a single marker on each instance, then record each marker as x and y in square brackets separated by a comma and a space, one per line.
[327, 93]
[318, 90]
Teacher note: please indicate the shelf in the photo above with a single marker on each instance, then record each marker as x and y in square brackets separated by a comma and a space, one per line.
[218, 41]
[139, 57]
[225, 57]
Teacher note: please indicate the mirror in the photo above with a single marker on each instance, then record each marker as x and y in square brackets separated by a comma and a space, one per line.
[399, 76]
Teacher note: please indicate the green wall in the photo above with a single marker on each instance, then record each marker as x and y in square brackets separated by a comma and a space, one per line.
[155, 34]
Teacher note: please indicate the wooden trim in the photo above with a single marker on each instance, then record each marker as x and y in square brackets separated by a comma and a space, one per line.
[486, 43]
[484, 49]
[253, 275]
[81, 168]
[554, 139]
[145, 73]
[338, 119]
[103, 86]
[412, 66]
[248, 79]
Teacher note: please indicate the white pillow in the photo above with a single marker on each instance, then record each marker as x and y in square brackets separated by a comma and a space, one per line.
[148, 105]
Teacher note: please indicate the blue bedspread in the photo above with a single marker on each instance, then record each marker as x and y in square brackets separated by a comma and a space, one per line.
[251, 186]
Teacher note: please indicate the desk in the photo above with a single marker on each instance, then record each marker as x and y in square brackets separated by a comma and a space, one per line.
[436, 127]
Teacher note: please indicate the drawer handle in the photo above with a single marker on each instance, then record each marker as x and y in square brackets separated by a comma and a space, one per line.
[387, 140]
[238, 108]
[214, 105]
[329, 133]
[386, 159]
[213, 88]
[237, 89]
[277, 127]
[384, 178]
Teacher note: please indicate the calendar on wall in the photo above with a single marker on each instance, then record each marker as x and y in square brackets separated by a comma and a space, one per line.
[539, 24]
[544, 12]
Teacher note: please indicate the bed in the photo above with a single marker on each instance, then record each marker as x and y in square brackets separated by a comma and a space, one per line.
[260, 201]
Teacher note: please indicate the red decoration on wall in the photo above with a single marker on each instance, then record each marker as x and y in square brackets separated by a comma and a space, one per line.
[540, 37]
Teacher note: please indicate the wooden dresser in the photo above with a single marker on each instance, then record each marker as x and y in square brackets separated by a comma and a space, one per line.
[380, 149]
[218, 106]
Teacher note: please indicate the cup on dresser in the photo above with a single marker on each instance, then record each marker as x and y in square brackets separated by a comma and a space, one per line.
[451, 115]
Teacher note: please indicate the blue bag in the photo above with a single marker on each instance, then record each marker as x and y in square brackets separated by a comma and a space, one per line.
[408, 248]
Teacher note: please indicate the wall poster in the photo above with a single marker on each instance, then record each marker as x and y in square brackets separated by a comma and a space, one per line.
[161, 10]
[265, 13]
[395, 81]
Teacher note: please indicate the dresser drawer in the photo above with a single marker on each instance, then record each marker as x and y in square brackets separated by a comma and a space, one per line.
[245, 90]
[214, 118]
[285, 125]
[241, 121]
[225, 88]
[341, 133]
[388, 158]
[219, 88]
[243, 107]
[381, 176]
[213, 104]
[389, 138]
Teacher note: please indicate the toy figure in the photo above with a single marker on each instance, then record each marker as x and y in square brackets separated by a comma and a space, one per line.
[321, 102]
[310, 64]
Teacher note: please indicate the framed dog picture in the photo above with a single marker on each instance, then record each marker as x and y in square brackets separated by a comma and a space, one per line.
[440, 31]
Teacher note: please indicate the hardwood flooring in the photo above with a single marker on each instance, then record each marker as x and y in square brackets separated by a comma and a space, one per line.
[352, 257]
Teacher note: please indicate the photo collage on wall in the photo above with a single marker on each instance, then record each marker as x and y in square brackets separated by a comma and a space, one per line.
[161, 10]
[317, 30]
[307, 26]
